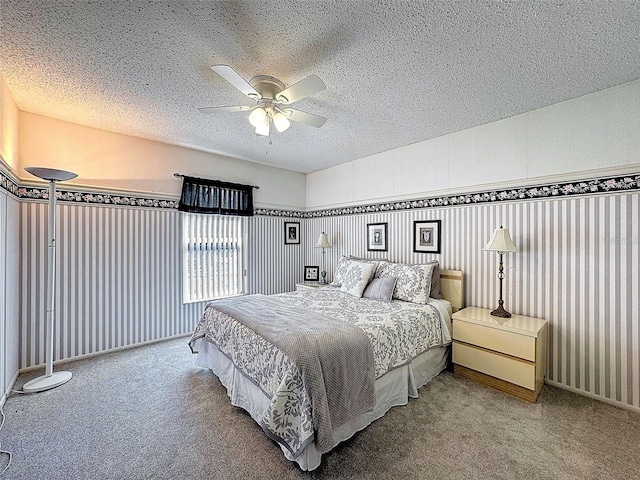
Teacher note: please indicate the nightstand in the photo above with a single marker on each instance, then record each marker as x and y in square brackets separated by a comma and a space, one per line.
[309, 285]
[509, 354]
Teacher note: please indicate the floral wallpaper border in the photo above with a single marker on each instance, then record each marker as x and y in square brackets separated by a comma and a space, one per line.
[581, 187]
[612, 184]
[38, 193]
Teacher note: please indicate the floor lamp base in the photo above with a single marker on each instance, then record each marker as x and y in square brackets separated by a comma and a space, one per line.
[43, 383]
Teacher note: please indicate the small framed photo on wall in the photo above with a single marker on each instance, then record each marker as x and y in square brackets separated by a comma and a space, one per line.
[291, 233]
[426, 236]
[377, 237]
[311, 273]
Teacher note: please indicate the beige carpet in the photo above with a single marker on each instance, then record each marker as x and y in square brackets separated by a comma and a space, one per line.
[148, 413]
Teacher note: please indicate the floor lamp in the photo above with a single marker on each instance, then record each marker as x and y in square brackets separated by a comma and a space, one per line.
[50, 379]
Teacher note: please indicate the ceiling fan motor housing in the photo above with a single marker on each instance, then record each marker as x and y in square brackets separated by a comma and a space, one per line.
[268, 87]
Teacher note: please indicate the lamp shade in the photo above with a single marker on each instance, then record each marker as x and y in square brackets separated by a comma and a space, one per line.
[51, 174]
[257, 117]
[500, 241]
[323, 241]
[281, 122]
[263, 129]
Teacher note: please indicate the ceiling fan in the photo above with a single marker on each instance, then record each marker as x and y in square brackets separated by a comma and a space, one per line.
[272, 100]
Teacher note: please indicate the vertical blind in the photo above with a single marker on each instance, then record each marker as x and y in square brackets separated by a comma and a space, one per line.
[214, 262]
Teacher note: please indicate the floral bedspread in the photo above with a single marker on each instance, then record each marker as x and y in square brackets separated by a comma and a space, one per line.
[398, 331]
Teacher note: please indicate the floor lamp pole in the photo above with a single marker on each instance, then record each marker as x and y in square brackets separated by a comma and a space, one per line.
[50, 379]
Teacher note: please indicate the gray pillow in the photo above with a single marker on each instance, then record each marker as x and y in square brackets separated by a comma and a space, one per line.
[380, 289]
[435, 280]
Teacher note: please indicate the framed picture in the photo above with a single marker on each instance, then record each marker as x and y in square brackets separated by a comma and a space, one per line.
[426, 236]
[377, 237]
[291, 232]
[311, 274]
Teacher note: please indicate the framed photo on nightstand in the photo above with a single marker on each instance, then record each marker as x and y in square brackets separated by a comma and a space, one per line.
[311, 273]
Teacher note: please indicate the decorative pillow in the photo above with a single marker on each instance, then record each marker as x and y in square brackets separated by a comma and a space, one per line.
[380, 289]
[357, 277]
[414, 281]
[341, 269]
[343, 265]
[384, 269]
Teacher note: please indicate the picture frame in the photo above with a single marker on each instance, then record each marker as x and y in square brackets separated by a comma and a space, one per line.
[311, 273]
[427, 235]
[291, 233]
[377, 237]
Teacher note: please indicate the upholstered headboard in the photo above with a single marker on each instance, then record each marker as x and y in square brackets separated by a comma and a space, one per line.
[452, 288]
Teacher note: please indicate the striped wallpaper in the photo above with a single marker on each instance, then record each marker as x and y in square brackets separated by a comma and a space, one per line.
[578, 267]
[119, 276]
[118, 279]
[273, 266]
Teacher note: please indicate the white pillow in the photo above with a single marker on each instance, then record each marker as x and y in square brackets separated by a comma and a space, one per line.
[343, 265]
[357, 277]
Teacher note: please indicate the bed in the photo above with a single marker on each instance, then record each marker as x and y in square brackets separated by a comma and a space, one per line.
[313, 367]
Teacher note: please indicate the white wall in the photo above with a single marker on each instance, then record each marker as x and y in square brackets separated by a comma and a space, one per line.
[586, 136]
[110, 160]
[8, 127]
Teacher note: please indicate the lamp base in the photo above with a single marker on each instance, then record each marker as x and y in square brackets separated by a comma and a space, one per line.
[43, 383]
[501, 312]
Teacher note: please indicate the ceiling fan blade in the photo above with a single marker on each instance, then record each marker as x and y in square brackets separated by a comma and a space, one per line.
[298, 91]
[304, 117]
[231, 76]
[235, 108]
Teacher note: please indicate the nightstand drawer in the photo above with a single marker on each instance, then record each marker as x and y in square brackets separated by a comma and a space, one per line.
[511, 370]
[499, 340]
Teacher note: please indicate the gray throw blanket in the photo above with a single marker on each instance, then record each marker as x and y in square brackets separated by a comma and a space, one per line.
[335, 358]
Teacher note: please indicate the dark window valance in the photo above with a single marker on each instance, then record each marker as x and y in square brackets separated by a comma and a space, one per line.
[200, 195]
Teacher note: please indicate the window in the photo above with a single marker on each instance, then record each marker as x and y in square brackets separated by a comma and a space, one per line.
[214, 257]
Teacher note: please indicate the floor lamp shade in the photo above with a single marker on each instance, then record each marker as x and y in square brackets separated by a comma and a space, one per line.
[50, 379]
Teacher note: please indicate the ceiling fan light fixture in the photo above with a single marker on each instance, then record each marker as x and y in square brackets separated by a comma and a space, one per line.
[258, 118]
[281, 122]
[271, 96]
[263, 129]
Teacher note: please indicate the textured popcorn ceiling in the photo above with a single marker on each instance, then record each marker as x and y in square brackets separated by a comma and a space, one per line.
[397, 72]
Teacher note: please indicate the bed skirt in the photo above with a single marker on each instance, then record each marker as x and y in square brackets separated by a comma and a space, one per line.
[392, 389]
